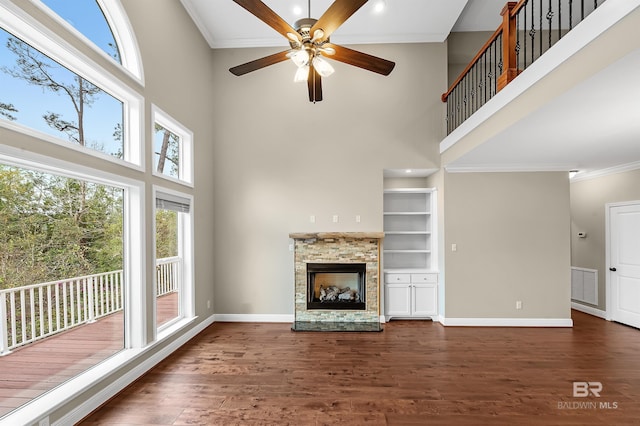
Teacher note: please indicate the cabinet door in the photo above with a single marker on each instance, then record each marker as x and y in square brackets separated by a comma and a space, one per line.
[397, 299]
[425, 299]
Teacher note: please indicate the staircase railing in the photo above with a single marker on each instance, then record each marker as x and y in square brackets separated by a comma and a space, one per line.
[529, 28]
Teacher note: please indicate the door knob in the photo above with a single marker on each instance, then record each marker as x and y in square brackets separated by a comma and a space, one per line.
[612, 269]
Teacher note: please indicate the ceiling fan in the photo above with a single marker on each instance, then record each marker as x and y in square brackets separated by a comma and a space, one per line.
[310, 44]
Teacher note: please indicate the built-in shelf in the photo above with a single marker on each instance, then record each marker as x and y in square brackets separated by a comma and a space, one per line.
[409, 256]
[408, 223]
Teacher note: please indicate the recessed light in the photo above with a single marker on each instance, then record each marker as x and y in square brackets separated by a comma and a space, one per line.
[408, 171]
[379, 6]
[297, 10]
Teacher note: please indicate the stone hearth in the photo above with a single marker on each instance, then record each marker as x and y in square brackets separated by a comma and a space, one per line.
[337, 248]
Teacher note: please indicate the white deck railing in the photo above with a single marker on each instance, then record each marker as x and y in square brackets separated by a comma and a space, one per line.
[36, 311]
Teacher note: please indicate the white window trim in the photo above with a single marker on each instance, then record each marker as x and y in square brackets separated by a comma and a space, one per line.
[25, 27]
[185, 167]
[122, 32]
[186, 252]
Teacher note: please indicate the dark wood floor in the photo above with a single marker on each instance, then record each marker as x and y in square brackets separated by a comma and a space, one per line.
[415, 373]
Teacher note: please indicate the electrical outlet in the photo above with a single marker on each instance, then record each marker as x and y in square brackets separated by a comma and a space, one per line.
[454, 247]
[208, 304]
[518, 304]
[335, 218]
[312, 219]
[357, 218]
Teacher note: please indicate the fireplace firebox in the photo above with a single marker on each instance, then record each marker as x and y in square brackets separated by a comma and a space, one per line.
[336, 286]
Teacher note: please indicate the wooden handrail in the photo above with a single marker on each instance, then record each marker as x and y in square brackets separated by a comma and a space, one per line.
[472, 63]
[508, 29]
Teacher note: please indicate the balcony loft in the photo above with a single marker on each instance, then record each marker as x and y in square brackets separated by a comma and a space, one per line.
[572, 108]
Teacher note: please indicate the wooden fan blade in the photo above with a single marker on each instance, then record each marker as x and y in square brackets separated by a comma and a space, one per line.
[314, 84]
[335, 16]
[259, 63]
[268, 16]
[359, 59]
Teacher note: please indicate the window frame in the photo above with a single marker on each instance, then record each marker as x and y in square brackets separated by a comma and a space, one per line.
[185, 148]
[29, 30]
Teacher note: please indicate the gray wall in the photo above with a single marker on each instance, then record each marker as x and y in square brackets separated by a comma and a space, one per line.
[588, 199]
[279, 159]
[512, 236]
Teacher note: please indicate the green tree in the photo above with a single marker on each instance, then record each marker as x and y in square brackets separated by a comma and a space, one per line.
[43, 234]
[166, 233]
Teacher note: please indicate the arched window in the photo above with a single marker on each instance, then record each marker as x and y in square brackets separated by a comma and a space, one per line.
[88, 18]
[102, 22]
[70, 89]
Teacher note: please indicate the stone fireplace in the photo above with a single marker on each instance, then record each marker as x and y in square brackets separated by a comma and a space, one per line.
[337, 285]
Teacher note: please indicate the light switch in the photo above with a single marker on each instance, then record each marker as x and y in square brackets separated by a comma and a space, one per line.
[312, 219]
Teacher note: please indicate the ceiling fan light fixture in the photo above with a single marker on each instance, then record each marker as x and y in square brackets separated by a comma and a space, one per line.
[302, 74]
[300, 58]
[323, 67]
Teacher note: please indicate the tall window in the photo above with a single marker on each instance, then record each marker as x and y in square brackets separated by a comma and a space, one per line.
[71, 234]
[173, 257]
[61, 269]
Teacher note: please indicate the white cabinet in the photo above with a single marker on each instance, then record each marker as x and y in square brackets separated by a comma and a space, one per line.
[411, 295]
[409, 253]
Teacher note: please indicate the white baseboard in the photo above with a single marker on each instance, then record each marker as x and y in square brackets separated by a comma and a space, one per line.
[254, 317]
[507, 322]
[112, 389]
[589, 310]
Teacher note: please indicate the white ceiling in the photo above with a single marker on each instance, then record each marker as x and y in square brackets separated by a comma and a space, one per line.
[225, 24]
[602, 108]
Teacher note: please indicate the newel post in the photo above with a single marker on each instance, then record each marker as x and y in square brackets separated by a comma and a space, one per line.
[509, 59]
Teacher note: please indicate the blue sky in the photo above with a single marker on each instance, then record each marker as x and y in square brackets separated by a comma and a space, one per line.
[33, 102]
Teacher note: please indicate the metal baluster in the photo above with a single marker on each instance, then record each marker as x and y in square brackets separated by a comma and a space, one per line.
[559, 19]
[524, 50]
[550, 19]
[570, 15]
[541, 27]
[582, 10]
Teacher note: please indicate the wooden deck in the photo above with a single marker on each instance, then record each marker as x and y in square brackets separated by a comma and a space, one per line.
[34, 369]
[413, 373]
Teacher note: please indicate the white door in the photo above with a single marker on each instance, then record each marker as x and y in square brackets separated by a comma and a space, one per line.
[624, 263]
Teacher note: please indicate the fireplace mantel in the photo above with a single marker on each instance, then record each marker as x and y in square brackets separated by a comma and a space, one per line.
[330, 235]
